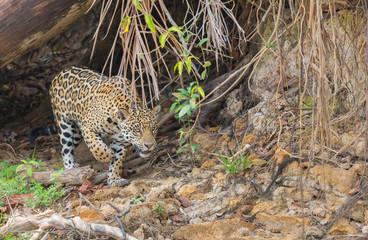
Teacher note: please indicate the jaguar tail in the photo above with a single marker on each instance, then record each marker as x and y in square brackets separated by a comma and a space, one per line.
[41, 131]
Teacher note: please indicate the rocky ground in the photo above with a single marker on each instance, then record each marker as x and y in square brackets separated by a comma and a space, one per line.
[196, 198]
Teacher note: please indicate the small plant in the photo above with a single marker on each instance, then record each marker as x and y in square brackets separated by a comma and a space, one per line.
[158, 207]
[184, 105]
[135, 201]
[43, 196]
[56, 175]
[29, 163]
[60, 166]
[12, 184]
[3, 218]
[236, 163]
[6, 171]
[9, 237]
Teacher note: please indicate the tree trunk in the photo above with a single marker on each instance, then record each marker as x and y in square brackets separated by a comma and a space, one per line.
[26, 24]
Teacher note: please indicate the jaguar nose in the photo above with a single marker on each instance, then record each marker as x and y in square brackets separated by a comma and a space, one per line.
[148, 146]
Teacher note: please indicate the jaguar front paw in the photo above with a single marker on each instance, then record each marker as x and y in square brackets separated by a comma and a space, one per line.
[117, 182]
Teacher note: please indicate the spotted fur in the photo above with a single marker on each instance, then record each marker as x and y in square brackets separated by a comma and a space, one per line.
[91, 106]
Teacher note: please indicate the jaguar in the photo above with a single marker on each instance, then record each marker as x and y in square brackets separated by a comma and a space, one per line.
[106, 113]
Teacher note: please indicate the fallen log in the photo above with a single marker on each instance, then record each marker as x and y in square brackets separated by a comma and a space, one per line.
[49, 219]
[74, 176]
[26, 24]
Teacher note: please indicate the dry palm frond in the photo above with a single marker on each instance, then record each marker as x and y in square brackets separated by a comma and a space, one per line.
[143, 56]
[214, 26]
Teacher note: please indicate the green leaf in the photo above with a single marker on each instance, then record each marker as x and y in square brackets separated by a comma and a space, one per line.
[200, 90]
[180, 96]
[19, 167]
[192, 103]
[202, 41]
[184, 110]
[162, 39]
[195, 95]
[29, 172]
[125, 24]
[175, 29]
[203, 75]
[137, 5]
[185, 92]
[193, 89]
[185, 53]
[173, 106]
[207, 64]
[187, 37]
[180, 66]
[182, 141]
[179, 108]
[188, 62]
[270, 44]
[149, 21]
[194, 147]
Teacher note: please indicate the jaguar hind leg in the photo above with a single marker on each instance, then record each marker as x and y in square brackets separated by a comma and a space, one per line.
[68, 133]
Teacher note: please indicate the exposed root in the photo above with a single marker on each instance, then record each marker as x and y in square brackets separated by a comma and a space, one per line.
[46, 220]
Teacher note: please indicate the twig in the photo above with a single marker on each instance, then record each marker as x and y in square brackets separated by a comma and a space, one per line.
[91, 205]
[122, 213]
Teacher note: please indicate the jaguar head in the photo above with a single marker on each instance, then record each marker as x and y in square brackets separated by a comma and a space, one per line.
[139, 128]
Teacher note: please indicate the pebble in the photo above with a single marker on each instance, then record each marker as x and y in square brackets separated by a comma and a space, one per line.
[365, 230]
[195, 220]
[323, 222]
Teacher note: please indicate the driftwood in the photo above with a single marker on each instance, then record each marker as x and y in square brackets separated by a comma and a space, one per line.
[26, 24]
[77, 176]
[74, 176]
[46, 220]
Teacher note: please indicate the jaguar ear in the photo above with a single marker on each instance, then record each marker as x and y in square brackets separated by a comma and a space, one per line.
[123, 114]
[156, 110]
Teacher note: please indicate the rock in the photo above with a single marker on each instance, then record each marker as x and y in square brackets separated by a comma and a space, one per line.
[249, 139]
[224, 143]
[209, 164]
[339, 179]
[143, 211]
[87, 214]
[205, 141]
[314, 232]
[110, 193]
[342, 227]
[277, 223]
[358, 168]
[359, 149]
[365, 230]
[357, 211]
[220, 179]
[240, 125]
[281, 223]
[187, 190]
[216, 230]
[294, 193]
[195, 220]
[246, 209]
[233, 106]
[319, 211]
